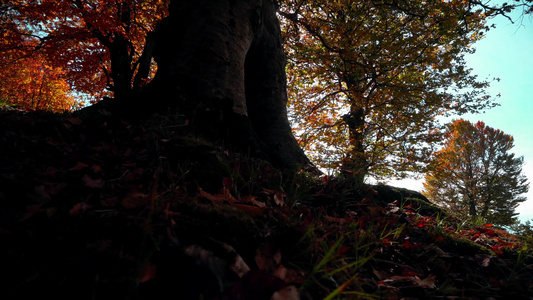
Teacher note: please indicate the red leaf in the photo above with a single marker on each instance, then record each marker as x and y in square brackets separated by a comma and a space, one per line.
[252, 211]
[93, 183]
[148, 273]
[343, 250]
[78, 209]
[96, 169]
[79, 166]
[31, 210]
[228, 183]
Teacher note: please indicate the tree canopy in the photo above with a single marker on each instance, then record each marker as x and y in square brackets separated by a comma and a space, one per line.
[31, 84]
[100, 47]
[476, 175]
[368, 79]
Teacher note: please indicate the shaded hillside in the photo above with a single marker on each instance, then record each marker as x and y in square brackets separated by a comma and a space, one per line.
[93, 206]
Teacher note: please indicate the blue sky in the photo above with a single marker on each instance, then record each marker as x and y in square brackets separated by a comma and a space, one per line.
[507, 53]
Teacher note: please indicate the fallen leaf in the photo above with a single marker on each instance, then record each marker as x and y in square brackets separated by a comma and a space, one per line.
[268, 258]
[380, 274]
[483, 259]
[287, 293]
[218, 198]
[281, 272]
[79, 208]
[79, 166]
[253, 200]
[31, 210]
[290, 275]
[148, 273]
[278, 196]
[334, 219]
[96, 169]
[403, 282]
[252, 211]
[427, 283]
[240, 267]
[107, 202]
[92, 183]
[51, 142]
[134, 200]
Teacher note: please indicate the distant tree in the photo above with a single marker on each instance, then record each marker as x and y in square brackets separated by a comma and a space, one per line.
[32, 84]
[475, 175]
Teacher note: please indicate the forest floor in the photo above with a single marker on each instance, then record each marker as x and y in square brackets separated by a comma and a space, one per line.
[104, 208]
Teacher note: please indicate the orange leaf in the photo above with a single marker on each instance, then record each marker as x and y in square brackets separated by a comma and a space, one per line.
[218, 198]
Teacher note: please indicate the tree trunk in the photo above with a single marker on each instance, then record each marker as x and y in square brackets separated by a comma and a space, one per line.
[472, 205]
[121, 72]
[356, 164]
[144, 63]
[221, 65]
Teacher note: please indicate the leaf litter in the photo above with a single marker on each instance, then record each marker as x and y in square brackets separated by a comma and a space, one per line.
[89, 204]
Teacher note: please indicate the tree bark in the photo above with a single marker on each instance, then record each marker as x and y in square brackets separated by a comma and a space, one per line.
[221, 65]
[356, 163]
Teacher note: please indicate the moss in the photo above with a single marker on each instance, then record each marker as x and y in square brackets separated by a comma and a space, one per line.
[464, 246]
[423, 207]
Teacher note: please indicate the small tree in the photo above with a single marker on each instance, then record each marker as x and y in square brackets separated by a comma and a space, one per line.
[475, 175]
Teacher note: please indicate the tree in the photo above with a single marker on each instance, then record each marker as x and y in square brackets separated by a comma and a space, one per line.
[368, 79]
[32, 85]
[221, 67]
[475, 175]
[229, 83]
[98, 44]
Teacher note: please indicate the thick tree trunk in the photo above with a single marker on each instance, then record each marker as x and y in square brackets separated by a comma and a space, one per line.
[221, 64]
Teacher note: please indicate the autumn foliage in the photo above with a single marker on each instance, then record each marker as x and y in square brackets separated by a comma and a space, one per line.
[92, 48]
[475, 175]
[367, 79]
[98, 204]
[31, 84]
